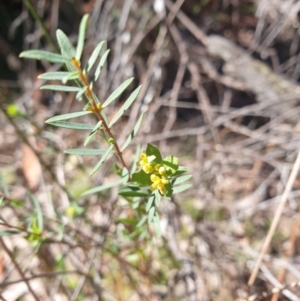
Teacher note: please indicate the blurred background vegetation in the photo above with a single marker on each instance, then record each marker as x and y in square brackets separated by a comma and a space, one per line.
[220, 91]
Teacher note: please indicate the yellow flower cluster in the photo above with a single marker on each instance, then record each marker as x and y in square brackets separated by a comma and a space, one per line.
[158, 173]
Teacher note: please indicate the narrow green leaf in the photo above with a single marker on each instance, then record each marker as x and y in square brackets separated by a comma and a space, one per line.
[61, 88]
[101, 188]
[9, 232]
[80, 93]
[72, 75]
[44, 56]
[134, 191]
[135, 202]
[181, 179]
[126, 220]
[157, 198]
[133, 133]
[102, 160]
[180, 170]
[85, 152]
[100, 65]
[81, 36]
[117, 92]
[17, 203]
[89, 138]
[151, 214]
[150, 202]
[66, 48]
[67, 116]
[181, 188]
[126, 105]
[141, 222]
[125, 176]
[39, 214]
[72, 125]
[93, 133]
[59, 75]
[94, 56]
[156, 222]
[136, 158]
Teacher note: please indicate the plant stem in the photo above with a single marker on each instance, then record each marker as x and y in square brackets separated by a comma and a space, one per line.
[40, 23]
[97, 111]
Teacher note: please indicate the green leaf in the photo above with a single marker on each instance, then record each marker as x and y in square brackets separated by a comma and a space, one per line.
[171, 164]
[38, 211]
[142, 178]
[9, 232]
[136, 202]
[101, 188]
[142, 221]
[125, 176]
[127, 220]
[151, 214]
[136, 159]
[67, 116]
[133, 191]
[157, 198]
[180, 170]
[66, 48]
[94, 56]
[81, 36]
[61, 88]
[59, 75]
[169, 188]
[126, 105]
[117, 92]
[72, 75]
[80, 93]
[85, 152]
[181, 179]
[156, 222]
[181, 188]
[102, 160]
[150, 202]
[100, 65]
[44, 56]
[16, 203]
[72, 125]
[151, 150]
[133, 133]
[93, 133]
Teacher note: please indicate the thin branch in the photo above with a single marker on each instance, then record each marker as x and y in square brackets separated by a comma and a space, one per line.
[276, 219]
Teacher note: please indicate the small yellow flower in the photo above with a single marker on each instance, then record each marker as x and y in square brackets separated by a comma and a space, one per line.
[159, 183]
[145, 163]
[162, 170]
[164, 180]
[143, 156]
[147, 168]
[157, 166]
[157, 173]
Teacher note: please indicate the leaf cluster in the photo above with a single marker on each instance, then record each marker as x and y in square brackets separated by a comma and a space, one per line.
[136, 184]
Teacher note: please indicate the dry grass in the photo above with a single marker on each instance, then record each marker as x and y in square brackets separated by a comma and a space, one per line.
[240, 150]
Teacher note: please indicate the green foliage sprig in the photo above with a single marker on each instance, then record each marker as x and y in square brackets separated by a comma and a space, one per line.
[157, 177]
